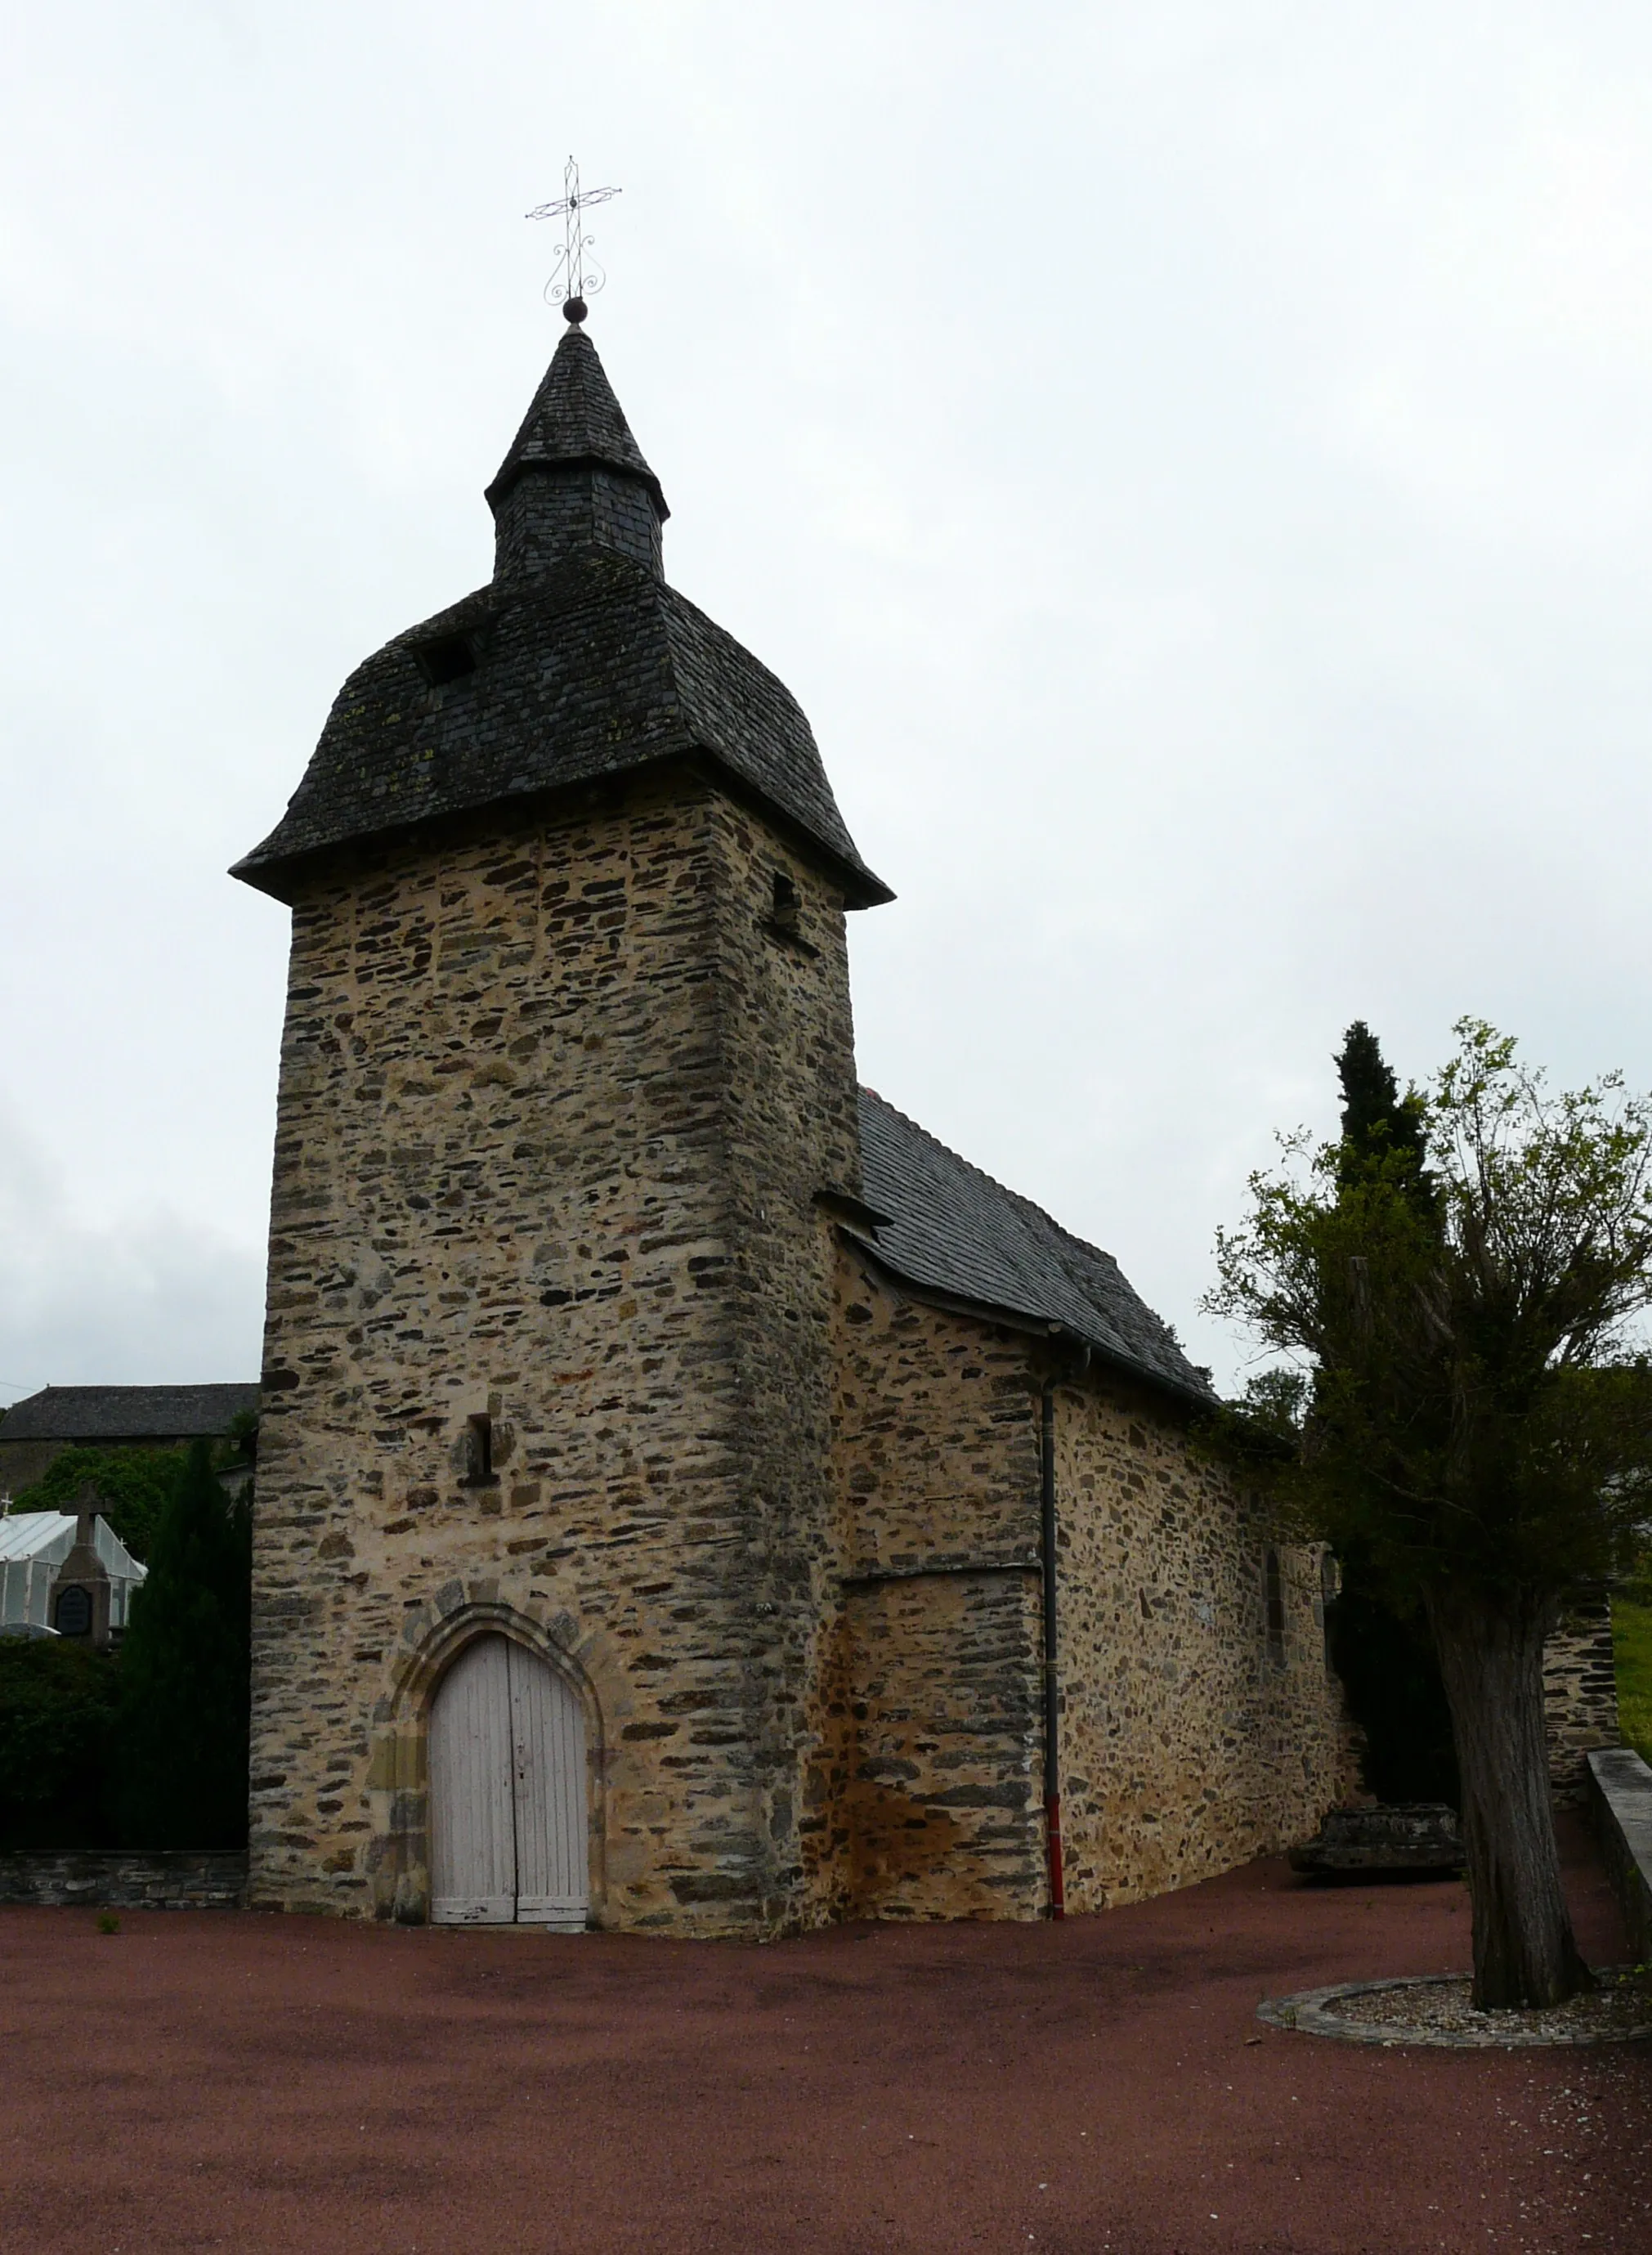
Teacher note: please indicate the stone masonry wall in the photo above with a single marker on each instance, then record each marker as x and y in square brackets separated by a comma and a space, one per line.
[124, 1879]
[554, 1107]
[931, 1804]
[945, 1810]
[1189, 1743]
[1581, 1696]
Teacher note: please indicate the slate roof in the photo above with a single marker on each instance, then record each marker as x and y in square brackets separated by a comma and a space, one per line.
[954, 1231]
[574, 419]
[592, 667]
[126, 1413]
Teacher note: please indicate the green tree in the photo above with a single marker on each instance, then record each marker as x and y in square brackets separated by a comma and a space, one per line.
[133, 1486]
[1379, 1639]
[183, 1733]
[1377, 1118]
[1478, 1423]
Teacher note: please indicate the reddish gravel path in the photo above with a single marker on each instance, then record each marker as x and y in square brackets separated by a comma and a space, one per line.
[297, 2086]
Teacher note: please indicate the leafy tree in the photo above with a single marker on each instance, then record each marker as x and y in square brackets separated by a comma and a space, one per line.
[57, 1711]
[183, 1731]
[1479, 1424]
[133, 1487]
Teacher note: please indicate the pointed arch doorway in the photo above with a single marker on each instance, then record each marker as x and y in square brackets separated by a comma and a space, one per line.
[508, 1792]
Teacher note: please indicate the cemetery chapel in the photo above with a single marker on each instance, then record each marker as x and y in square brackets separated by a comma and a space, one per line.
[690, 1498]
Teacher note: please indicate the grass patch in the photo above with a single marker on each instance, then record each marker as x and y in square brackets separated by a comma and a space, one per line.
[1631, 1648]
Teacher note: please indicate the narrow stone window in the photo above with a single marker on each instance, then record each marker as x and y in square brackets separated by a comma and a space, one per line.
[1273, 1594]
[1330, 1589]
[479, 1439]
[784, 914]
[447, 658]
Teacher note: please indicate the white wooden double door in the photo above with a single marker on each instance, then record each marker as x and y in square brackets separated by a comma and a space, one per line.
[508, 1793]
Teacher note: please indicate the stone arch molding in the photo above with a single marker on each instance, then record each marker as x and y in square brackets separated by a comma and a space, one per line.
[432, 1639]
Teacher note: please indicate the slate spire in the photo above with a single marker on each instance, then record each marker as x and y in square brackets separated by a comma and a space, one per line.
[574, 476]
[577, 664]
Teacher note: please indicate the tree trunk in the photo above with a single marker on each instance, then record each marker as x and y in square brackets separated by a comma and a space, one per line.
[1491, 1658]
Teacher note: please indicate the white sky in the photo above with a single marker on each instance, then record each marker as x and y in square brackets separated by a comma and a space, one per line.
[1191, 461]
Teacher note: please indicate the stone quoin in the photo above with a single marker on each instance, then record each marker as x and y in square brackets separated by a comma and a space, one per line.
[608, 1316]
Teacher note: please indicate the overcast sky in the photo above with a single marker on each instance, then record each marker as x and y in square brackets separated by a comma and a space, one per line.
[1190, 461]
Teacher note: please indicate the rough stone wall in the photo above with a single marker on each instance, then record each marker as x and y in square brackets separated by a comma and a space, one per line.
[946, 1813]
[1580, 1697]
[1190, 1741]
[554, 1107]
[928, 1804]
[791, 1132]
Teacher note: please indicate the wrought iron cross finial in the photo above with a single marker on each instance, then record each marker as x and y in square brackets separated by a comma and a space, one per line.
[572, 274]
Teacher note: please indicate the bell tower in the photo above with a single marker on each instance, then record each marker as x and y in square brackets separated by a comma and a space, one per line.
[567, 1099]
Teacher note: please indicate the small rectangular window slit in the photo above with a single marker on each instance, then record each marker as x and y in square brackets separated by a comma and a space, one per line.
[784, 920]
[478, 1440]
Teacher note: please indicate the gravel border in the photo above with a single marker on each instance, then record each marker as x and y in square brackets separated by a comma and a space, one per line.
[1309, 2013]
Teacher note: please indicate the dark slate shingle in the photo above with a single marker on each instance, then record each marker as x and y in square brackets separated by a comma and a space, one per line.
[575, 417]
[588, 667]
[594, 667]
[127, 1413]
[953, 1230]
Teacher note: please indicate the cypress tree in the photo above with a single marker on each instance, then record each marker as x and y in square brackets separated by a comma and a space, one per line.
[1385, 1659]
[1377, 1118]
[182, 1739]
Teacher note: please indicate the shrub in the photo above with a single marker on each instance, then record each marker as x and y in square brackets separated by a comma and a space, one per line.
[57, 1715]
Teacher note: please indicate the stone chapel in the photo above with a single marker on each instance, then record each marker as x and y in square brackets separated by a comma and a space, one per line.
[690, 1497]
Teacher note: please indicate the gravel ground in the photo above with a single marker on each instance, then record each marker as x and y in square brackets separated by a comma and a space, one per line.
[297, 2087]
[1619, 2007]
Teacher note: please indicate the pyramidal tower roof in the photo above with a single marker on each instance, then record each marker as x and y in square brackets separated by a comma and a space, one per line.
[575, 419]
[576, 663]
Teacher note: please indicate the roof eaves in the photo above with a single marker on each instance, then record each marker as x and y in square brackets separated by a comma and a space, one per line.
[511, 474]
[1021, 1319]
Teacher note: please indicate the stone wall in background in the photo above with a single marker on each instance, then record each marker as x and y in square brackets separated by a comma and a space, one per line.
[1580, 1697]
[173, 1878]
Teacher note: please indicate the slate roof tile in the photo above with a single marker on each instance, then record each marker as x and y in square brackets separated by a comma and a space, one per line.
[592, 667]
[575, 417]
[953, 1230]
